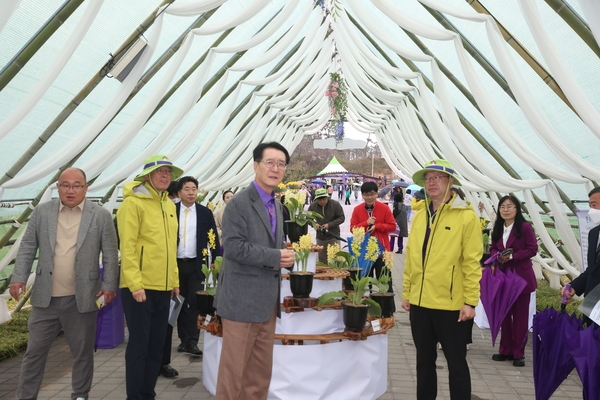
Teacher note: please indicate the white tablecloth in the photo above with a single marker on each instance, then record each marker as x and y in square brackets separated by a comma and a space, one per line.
[349, 370]
[482, 321]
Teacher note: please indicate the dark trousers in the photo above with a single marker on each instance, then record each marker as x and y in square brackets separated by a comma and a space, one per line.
[347, 202]
[190, 282]
[428, 328]
[147, 325]
[515, 328]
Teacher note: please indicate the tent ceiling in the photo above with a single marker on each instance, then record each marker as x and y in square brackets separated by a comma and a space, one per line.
[257, 70]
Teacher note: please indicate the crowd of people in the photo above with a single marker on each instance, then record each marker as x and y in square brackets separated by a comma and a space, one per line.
[164, 236]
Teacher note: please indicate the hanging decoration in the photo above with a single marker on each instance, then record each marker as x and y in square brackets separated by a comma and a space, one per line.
[338, 105]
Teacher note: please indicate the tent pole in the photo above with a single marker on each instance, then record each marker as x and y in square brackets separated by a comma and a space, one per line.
[12, 68]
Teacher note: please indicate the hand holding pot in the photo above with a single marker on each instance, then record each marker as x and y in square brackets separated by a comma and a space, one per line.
[287, 258]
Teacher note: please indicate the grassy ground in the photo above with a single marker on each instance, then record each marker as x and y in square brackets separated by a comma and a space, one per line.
[13, 335]
[548, 297]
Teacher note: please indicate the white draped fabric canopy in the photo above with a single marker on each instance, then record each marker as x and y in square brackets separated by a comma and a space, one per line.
[427, 78]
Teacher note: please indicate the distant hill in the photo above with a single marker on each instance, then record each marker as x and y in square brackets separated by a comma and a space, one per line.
[308, 161]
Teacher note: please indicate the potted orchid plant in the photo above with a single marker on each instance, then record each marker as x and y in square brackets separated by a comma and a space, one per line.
[299, 217]
[210, 269]
[382, 286]
[301, 280]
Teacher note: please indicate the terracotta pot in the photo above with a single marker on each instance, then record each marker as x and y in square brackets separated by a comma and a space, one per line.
[301, 284]
[204, 303]
[294, 231]
[386, 302]
[347, 283]
[355, 316]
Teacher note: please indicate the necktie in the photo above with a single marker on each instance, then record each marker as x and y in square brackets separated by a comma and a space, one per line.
[186, 211]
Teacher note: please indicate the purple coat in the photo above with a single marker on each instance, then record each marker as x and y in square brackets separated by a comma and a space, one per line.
[524, 248]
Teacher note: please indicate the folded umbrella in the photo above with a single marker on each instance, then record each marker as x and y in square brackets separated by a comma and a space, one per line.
[499, 291]
[584, 348]
[551, 360]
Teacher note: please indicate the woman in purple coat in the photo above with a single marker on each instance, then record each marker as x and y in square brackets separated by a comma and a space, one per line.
[514, 237]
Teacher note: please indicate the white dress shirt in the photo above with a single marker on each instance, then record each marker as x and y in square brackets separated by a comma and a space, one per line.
[187, 233]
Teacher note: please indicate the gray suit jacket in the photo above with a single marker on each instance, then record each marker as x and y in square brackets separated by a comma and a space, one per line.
[250, 279]
[96, 234]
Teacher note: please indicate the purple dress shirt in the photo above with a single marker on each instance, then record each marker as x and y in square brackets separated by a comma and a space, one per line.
[269, 202]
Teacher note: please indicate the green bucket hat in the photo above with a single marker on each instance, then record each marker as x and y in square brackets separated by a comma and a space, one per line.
[435, 165]
[320, 193]
[156, 161]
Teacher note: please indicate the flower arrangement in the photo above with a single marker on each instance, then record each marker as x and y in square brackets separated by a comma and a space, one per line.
[338, 104]
[485, 234]
[364, 249]
[303, 249]
[209, 269]
[383, 282]
[294, 202]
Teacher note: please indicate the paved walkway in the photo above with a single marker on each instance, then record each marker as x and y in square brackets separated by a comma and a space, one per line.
[490, 379]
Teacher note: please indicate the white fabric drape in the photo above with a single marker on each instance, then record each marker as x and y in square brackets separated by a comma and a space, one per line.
[8, 8]
[591, 11]
[188, 8]
[559, 70]
[244, 15]
[53, 162]
[61, 59]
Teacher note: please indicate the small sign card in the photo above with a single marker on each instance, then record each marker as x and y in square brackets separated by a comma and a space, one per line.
[207, 319]
[376, 325]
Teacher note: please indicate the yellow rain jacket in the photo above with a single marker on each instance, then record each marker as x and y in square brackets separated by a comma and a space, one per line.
[449, 276]
[147, 224]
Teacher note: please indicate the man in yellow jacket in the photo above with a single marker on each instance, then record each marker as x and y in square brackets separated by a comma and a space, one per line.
[147, 225]
[441, 279]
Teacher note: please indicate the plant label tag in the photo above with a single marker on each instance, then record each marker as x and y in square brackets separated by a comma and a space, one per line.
[207, 319]
[376, 326]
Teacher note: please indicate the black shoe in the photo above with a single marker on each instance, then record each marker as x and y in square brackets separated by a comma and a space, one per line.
[519, 362]
[181, 348]
[501, 357]
[168, 372]
[192, 348]
[399, 251]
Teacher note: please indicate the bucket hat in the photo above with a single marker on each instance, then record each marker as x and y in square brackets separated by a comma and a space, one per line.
[438, 165]
[156, 161]
[319, 193]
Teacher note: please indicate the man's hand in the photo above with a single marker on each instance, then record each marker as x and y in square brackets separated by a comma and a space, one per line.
[371, 221]
[287, 258]
[370, 229]
[466, 313]
[16, 288]
[569, 293]
[325, 226]
[175, 292]
[139, 295]
[406, 305]
[108, 296]
[318, 227]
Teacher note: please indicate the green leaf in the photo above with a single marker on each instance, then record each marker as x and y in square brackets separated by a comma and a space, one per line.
[374, 307]
[330, 297]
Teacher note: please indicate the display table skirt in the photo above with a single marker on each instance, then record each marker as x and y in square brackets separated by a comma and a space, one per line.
[340, 370]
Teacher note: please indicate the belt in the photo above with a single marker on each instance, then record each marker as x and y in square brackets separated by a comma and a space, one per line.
[186, 259]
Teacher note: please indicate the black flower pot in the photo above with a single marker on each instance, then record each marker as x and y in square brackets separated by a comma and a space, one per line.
[347, 283]
[294, 231]
[355, 316]
[301, 284]
[386, 302]
[204, 303]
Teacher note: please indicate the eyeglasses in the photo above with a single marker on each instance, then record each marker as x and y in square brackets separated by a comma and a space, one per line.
[434, 178]
[270, 164]
[507, 207]
[371, 194]
[65, 186]
[164, 171]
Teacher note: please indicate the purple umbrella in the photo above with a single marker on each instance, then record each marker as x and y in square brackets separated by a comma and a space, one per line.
[551, 360]
[499, 291]
[584, 348]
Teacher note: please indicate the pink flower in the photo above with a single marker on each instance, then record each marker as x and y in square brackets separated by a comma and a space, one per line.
[327, 93]
[334, 95]
[335, 84]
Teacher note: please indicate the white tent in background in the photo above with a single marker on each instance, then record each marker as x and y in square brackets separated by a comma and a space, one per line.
[333, 167]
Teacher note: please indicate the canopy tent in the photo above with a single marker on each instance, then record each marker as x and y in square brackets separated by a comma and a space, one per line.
[333, 167]
[507, 91]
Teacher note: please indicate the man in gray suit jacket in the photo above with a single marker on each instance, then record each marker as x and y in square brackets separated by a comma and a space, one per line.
[248, 292]
[70, 234]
